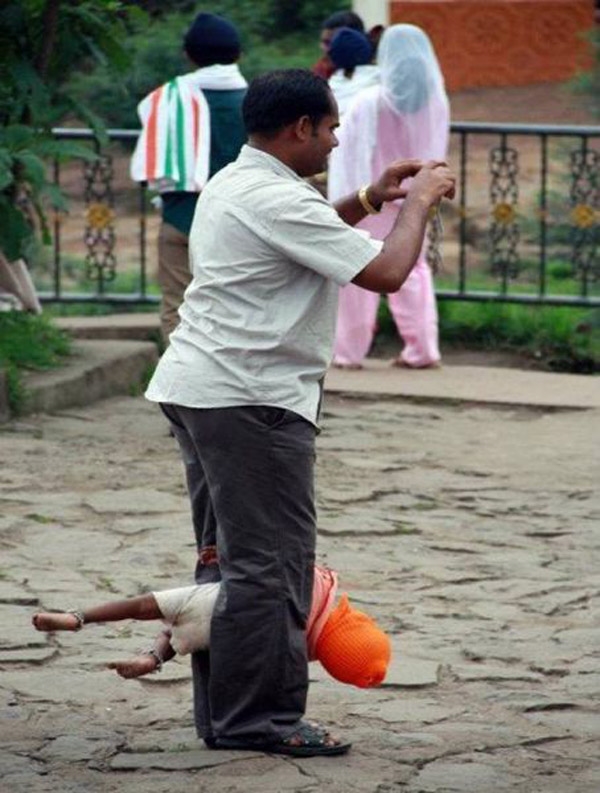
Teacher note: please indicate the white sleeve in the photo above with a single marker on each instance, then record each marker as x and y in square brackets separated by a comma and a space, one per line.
[310, 232]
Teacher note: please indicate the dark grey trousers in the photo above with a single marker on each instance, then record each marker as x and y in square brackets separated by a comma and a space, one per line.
[250, 479]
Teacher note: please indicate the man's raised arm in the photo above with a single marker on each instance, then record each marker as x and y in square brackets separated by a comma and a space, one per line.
[431, 182]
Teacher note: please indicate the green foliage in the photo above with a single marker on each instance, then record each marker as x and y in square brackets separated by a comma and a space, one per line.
[266, 19]
[589, 82]
[563, 339]
[24, 189]
[31, 341]
[274, 35]
[43, 42]
[28, 342]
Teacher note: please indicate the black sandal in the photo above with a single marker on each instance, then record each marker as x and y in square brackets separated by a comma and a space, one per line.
[308, 740]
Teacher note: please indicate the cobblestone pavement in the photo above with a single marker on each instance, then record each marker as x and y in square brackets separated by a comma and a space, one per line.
[470, 533]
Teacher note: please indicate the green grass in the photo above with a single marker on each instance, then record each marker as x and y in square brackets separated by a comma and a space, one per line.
[28, 342]
[563, 339]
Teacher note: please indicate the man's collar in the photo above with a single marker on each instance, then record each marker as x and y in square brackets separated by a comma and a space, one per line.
[252, 155]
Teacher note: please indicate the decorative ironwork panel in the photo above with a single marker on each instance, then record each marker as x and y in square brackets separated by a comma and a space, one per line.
[584, 217]
[435, 237]
[99, 235]
[504, 195]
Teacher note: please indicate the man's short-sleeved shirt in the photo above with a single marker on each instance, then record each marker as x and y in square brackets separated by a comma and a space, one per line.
[257, 324]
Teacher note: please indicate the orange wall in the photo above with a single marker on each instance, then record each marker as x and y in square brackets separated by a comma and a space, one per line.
[503, 42]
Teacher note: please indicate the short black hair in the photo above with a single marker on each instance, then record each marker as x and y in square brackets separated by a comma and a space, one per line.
[344, 19]
[278, 98]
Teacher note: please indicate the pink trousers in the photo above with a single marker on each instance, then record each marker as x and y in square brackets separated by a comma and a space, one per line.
[414, 311]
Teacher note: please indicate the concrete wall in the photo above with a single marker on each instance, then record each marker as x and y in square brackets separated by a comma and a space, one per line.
[373, 12]
[503, 42]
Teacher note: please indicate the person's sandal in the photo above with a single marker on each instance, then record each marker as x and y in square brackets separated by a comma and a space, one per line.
[308, 740]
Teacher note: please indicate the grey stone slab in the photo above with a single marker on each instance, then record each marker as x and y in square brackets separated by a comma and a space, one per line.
[269, 774]
[405, 672]
[403, 709]
[135, 500]
[580, 637]
[135, 525]
[49, 500]
[13, 593]
[499, 612]
[22, 634]
[73, 686]
[464, 734]
[75, 748]
[475, 672]
[584, 686]
[156, 739]
[446, 776]
[26, 655]
[15, 766]
[357, 771]
[580, 723]
[72, 549]
[185, 760]
[532, 700]
[362, 523]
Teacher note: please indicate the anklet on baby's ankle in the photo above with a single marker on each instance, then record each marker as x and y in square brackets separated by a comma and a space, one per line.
[79, 616]
[156, 655]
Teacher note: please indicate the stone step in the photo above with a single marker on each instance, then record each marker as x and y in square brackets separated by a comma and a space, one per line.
[96, 370]
[140, 326]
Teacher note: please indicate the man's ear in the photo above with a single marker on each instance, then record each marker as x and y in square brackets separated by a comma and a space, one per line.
[303, 128]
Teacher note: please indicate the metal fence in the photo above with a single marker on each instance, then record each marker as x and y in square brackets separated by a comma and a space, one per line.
[524, 227]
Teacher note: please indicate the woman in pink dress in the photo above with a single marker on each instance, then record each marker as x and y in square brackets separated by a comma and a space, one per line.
[406, 116]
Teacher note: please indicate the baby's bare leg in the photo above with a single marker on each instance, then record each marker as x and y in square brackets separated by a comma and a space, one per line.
[145, 663]
[143, 607]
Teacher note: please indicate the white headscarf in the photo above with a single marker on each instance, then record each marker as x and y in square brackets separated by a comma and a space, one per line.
[410, 72]
[407, 116]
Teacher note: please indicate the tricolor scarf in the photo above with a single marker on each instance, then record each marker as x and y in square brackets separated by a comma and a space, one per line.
[173, 149]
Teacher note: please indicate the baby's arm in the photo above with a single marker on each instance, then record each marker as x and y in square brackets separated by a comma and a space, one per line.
[147, 662]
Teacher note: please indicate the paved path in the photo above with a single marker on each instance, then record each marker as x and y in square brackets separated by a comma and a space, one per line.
[469, 531]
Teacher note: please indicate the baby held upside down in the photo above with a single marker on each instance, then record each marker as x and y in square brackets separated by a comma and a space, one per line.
[348, 643]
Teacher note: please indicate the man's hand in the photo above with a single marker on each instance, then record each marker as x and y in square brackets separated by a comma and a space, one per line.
[431, 181]
[390, 186]
[434, 182]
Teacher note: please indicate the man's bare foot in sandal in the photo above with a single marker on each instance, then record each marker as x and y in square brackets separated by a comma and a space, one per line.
[135, 667]
[308, 740]
[56, 621]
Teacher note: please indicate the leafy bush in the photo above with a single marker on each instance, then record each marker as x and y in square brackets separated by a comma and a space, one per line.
[43, 43]
[28, 342]
[565, 339]
[562, 339]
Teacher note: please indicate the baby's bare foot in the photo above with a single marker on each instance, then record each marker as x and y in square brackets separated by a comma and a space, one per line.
[55, 621]
[134, 667]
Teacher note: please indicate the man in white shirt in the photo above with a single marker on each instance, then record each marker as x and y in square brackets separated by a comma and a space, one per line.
[241, 385]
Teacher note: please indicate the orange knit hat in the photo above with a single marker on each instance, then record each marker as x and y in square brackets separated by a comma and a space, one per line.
[352, 648]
